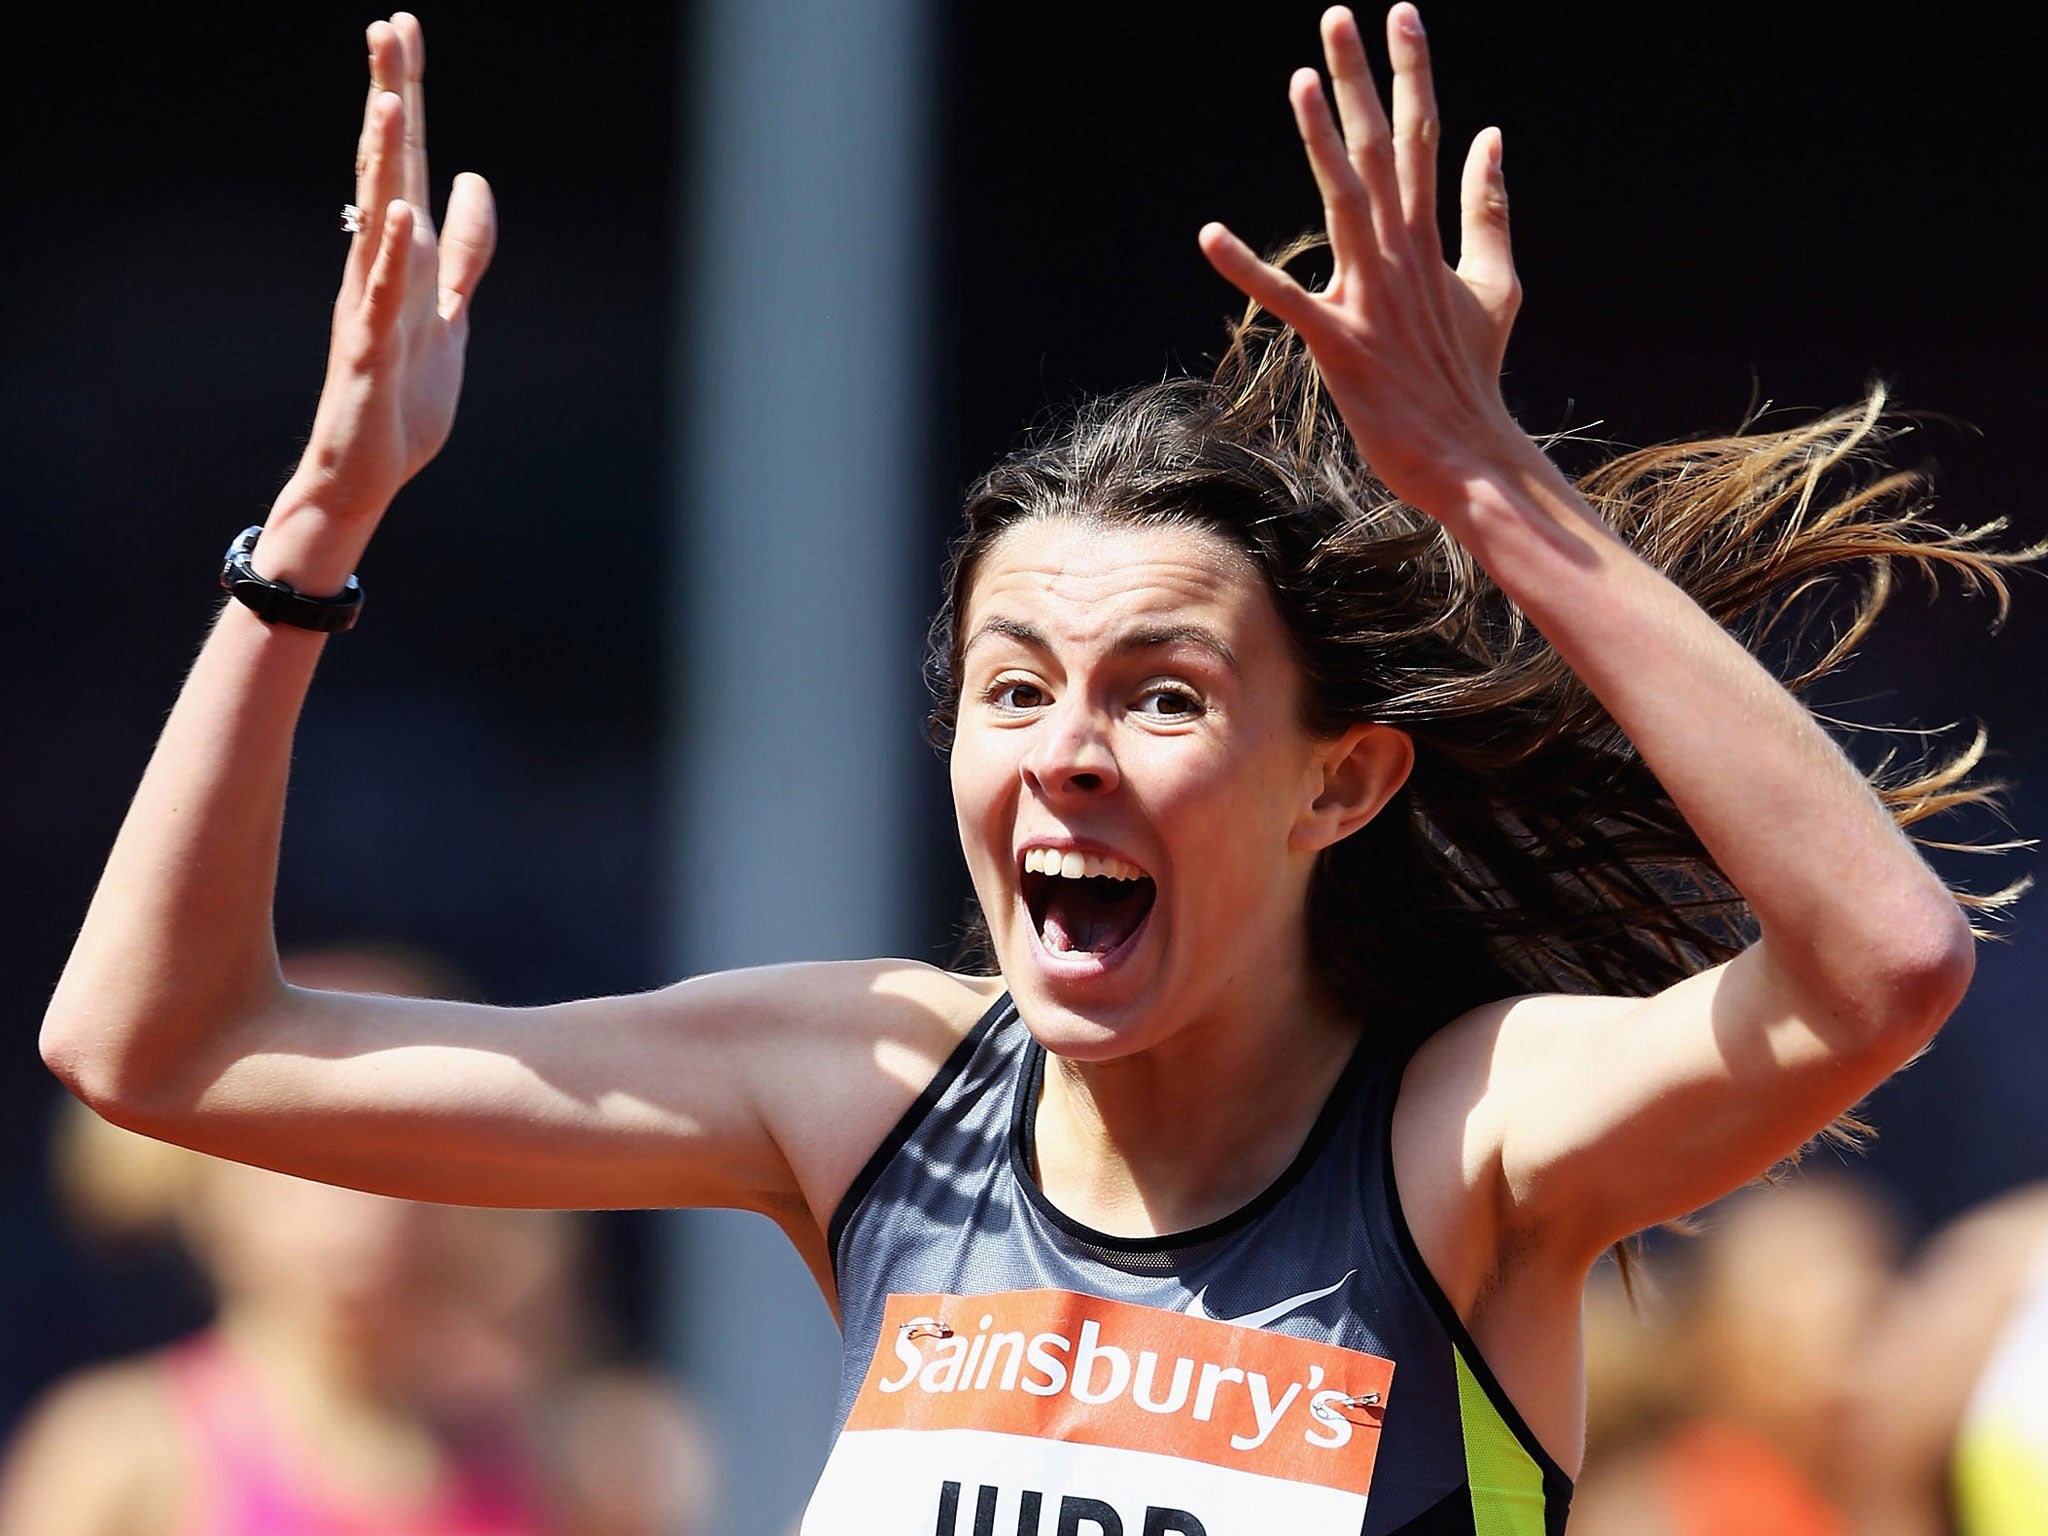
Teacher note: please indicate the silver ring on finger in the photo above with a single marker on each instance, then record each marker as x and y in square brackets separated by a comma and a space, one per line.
[351, 218]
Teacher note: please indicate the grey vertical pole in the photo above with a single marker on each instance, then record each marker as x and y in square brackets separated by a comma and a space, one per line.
[793, 689]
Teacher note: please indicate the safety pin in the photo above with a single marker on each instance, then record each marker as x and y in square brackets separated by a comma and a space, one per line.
[1326, 1408]
[927, 1328]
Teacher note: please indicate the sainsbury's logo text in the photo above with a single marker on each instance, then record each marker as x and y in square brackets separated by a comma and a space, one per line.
[1094, 1373]
[1055, 1365]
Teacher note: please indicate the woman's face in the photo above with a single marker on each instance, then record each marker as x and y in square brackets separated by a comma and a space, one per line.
[1129, 716]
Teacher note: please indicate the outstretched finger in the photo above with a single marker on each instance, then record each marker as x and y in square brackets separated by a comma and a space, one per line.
[1415, 128]
[387, 62]
[1366, 135]
[378, 180]
[1263, 283]
[1486, 259]
[1347, 210]
[384, 292]
[411, 87]
[467, 242]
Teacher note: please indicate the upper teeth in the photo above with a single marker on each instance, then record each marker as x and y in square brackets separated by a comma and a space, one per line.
[1075, 866]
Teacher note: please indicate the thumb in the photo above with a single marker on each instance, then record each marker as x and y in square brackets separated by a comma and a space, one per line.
[468, 239]
[1486, 260]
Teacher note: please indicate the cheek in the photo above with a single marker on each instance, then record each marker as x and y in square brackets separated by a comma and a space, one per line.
[983, 780]
[1229, 787]
[1232, 818]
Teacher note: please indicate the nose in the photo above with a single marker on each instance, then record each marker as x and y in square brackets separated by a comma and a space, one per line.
[1071, 755]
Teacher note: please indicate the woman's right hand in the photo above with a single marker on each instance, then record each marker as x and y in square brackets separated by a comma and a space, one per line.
[401, 321]
[765, 1090]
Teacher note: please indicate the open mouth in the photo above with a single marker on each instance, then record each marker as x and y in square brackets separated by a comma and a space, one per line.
[1084, 904]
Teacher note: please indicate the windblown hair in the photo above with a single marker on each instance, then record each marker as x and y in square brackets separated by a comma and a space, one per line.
[1531, 848]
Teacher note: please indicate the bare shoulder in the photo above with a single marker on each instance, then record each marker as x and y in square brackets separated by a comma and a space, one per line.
[1961, 1288]
[1506, 1049]
[855, 1043]
[1506, 1046]
[1467, 1091]
[2004, 1234]
[1449, 1128]
[888, 1019]
[841, 1000]
[97, 1455]
[105, 1402]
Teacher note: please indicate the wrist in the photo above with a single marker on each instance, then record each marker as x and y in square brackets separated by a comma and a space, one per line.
[1512, 486]
[310, 545]
[1459, 466]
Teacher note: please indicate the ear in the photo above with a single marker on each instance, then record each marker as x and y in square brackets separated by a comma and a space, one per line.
[1355, 775]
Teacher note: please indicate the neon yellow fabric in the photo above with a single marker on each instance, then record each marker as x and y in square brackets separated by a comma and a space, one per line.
[2001, 1482]
[1999, 1468]
[1507, 1485]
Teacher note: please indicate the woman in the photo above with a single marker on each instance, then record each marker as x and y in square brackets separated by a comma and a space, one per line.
[374, 1367]
[1271, 1166]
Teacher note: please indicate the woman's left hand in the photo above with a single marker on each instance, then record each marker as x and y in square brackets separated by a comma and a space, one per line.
[1409, 347]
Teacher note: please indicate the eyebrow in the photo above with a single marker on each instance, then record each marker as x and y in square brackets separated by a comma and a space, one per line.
[1147, 638]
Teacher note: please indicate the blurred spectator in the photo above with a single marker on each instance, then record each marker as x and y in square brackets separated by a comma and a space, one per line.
[1951, 1424]
[1721, 1412]
[377, 1367]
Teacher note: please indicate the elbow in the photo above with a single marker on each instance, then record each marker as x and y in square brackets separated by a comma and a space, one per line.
[1879, 992]
[102, 1079]
[82, 1062]
[95, 1051]
[81, 1040]
[1922, 980]
[63, 1047]
[144, 1058]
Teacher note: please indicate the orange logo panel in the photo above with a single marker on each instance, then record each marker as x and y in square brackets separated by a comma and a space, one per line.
[1061, 1366]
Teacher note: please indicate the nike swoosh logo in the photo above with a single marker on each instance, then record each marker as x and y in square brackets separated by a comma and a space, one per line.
[1265, 1315]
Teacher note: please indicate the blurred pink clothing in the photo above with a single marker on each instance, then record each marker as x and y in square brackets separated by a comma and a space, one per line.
[246, 1481]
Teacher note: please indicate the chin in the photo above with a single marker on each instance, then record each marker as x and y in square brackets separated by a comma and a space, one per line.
[1075, 1034]
[1084, 1010]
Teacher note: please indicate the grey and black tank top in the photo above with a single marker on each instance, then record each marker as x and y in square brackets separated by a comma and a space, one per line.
[948, 1210]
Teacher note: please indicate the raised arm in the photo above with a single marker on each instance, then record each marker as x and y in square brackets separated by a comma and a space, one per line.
[1562, 1124]
[761, 1089]
[178, 934]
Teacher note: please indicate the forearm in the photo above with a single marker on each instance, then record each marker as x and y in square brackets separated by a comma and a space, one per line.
[177, 946]
[177, 943]
[1846, 906]
[1409, 350]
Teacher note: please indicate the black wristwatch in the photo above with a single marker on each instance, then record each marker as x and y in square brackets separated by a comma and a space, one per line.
[279, 602]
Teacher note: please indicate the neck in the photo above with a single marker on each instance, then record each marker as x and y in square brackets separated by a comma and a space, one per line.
[1182, 1135]
[309, 1359]
[329, 1413]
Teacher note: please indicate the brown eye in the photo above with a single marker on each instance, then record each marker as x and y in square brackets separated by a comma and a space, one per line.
[1016, 695]
[1169, 704]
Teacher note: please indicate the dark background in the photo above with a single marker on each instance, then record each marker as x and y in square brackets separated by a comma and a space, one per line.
[1714, 207]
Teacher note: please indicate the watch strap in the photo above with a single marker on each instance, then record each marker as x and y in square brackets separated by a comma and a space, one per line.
[279, 602]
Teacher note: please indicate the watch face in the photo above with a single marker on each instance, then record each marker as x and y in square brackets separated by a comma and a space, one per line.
[236, 563]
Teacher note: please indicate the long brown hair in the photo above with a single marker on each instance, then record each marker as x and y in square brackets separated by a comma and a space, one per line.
[1531, 848]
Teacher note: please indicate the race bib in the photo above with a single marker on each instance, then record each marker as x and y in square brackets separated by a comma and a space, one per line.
[1047, 1413]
